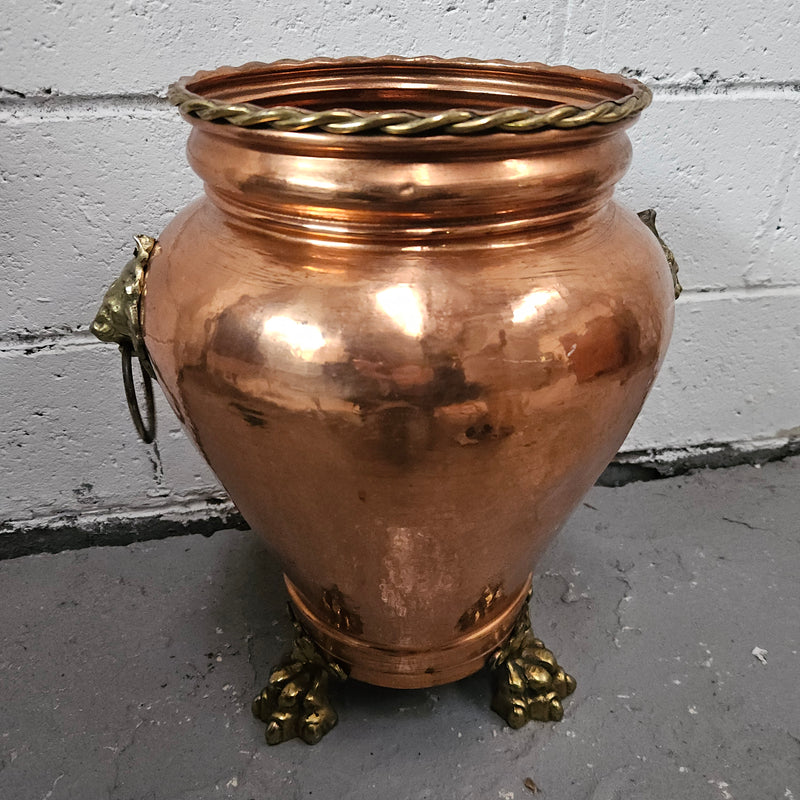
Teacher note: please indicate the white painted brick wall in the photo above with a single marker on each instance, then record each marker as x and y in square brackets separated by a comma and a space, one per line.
[89, 155]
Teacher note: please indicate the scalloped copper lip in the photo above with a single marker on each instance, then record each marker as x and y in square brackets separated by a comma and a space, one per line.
[229, 82]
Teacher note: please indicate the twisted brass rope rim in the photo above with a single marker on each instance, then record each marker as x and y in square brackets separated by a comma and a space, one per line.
[459, 121]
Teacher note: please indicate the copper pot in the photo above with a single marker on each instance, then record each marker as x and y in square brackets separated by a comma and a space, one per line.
[406, 354]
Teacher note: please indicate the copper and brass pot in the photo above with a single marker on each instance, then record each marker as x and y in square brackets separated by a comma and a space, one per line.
[407, 326]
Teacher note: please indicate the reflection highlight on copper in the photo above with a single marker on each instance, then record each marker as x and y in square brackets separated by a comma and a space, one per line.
[402, 304]
[532, 304]
[303, 339]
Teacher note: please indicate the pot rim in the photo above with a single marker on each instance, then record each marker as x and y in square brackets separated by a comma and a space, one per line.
[408, 96]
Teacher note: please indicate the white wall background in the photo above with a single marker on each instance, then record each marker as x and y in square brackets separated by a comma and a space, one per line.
[90, 154]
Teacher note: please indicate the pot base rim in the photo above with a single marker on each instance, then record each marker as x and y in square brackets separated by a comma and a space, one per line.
[398, 668]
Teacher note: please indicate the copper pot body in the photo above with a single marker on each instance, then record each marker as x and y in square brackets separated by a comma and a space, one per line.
[407, 359]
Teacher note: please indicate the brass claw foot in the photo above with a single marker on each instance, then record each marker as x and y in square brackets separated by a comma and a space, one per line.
[529, 684]
[295, 701]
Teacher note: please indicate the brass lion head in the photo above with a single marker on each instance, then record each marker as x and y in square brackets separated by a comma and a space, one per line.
[117, 320]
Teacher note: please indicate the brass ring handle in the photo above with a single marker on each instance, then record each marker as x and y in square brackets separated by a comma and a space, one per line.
[648, 216]
[118, 321]
[147, 432]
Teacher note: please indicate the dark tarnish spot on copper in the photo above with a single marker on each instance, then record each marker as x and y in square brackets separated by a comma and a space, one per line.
[478, 433]
[236, 333]
[476, 612]
[397, 402]
[475, 432]
[339, 615]
[206, 393]
[250, 415]
[610, 344]
[184, 378]
[402, 432]
[368, 382]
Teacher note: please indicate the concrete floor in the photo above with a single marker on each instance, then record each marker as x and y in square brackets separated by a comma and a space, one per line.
[127, 672]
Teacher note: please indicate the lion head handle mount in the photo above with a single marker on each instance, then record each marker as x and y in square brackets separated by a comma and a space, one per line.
[648, 216]
[118, 321]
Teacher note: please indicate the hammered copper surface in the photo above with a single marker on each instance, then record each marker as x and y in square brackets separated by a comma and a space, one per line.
[408, 359]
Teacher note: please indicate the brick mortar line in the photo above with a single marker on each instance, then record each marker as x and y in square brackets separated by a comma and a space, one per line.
[188, 505]
[739, 293]
[14, 108]
[36, 341]
[81, 100]
[30, 342]
[210, 514]
[76, 531]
